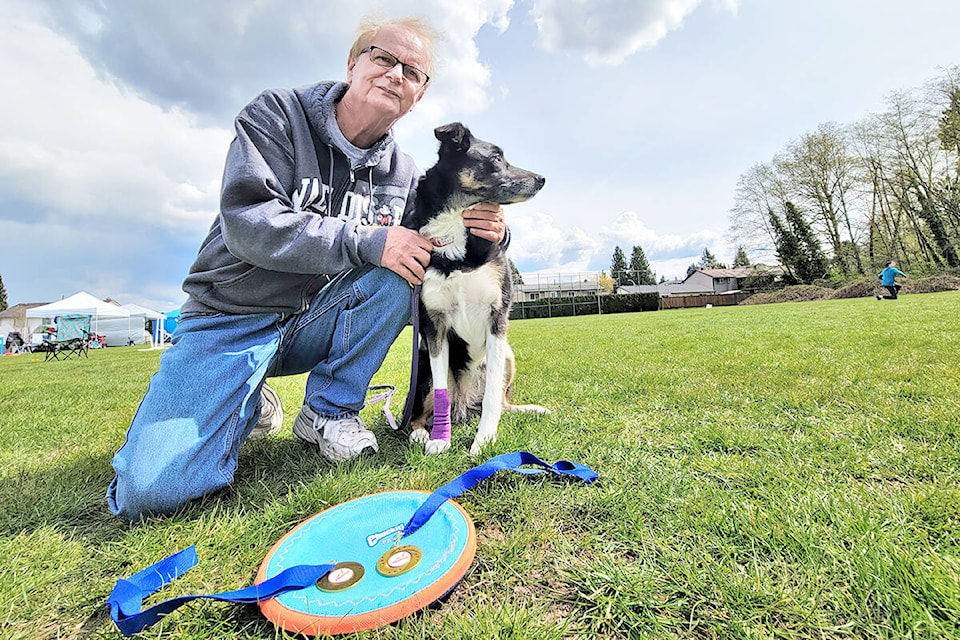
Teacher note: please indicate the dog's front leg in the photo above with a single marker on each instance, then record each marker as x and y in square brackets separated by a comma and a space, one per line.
[439, 369]
[492, 394]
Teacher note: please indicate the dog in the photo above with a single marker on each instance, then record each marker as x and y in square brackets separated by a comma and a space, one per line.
[465, 298]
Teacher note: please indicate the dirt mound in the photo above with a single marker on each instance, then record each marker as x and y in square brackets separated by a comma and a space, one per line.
[931, 284]
[860, 288]
[796, 293]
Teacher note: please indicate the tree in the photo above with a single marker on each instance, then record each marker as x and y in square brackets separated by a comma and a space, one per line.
[606, 282]
[709, 261]
[741, 259]
[789, 251]
[820, 169]
[618, 268]
[515, 276]
[3, 295]
[812, 263]
[640, 267]
[692, 269]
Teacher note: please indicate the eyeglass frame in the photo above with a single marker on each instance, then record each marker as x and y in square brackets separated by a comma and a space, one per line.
[404, 66]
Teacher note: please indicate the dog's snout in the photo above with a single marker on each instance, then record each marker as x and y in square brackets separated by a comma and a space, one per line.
[540, 180]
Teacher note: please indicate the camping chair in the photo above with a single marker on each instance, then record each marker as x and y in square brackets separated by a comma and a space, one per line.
[73, 331]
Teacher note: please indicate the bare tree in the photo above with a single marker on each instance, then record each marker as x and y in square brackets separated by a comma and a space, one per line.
[759, 191]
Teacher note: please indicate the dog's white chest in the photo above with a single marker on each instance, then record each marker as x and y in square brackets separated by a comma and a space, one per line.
[464, 298]
[448, 234]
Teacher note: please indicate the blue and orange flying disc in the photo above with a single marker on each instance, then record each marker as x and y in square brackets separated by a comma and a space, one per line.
[394, 578]
[356, 566]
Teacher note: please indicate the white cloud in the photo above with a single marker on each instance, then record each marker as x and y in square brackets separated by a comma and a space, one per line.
[608, 31]
[536, 243]
[84, 150]
[539, 245]
[629, 230]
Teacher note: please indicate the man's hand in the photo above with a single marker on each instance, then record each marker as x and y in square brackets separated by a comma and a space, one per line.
[485, 220]
[406, 253]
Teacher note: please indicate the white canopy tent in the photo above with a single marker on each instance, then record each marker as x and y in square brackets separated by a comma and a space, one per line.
[80, 303]
[136, 330]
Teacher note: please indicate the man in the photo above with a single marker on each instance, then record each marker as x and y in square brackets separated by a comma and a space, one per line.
[304, 270]
[888, 279]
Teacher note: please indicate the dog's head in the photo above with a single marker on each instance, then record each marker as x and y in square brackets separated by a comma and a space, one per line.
[482, 172]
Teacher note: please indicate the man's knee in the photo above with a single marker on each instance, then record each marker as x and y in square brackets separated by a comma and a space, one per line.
[144, 488]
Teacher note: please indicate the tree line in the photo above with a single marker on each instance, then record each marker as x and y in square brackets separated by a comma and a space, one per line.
[844, 199]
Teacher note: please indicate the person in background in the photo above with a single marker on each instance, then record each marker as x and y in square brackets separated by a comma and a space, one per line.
[888, 279]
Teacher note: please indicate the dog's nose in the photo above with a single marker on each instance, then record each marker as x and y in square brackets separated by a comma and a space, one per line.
[540, 181]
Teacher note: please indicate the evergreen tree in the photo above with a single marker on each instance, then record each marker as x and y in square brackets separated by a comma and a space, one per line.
[788, 247]
[618, 268]
[709, 261]
[812, 263]
[515, 276]
[3, 295]
[640, 267]
[691, 269]
[741, 259]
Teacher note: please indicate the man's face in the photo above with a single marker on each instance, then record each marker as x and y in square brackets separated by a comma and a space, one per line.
[386, 89]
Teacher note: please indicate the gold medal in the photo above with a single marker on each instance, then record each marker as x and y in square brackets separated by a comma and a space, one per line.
[399, 560]
[343, 576]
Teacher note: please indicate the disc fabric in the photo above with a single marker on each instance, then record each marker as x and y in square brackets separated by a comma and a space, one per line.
[396, 579]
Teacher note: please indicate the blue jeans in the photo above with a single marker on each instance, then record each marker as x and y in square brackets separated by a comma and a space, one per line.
[204, 400]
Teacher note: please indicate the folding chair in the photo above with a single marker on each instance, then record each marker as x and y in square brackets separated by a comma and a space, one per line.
[73, 332]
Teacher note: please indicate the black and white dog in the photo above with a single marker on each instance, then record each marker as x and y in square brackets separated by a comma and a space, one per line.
[466, 293]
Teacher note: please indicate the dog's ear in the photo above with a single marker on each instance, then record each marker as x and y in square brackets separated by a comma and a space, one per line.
[453, 134]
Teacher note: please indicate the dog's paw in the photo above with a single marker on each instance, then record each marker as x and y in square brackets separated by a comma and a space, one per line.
[528, 408]
[437, 446]
[419, 436]
[480, 442]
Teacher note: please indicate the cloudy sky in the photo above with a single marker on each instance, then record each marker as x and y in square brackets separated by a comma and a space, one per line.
[642, 114]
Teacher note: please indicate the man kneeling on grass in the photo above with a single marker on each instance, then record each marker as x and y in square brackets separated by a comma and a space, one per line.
[304, 270]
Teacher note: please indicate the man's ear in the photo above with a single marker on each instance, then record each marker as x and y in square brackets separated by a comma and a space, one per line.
[350, 65]
[455, 135]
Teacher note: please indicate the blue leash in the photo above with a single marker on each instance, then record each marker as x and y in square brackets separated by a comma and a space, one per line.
[473, 477]
[126, 598]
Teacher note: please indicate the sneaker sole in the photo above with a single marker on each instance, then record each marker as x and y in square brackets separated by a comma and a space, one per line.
[276, 421]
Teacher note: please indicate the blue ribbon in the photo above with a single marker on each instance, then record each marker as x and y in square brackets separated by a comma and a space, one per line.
[473, 477]
[127, 596]
[126, 599]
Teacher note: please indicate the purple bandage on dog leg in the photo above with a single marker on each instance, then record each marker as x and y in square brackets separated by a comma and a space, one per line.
[441, 416]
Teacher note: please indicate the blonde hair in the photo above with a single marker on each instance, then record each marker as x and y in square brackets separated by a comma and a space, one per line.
[370, 26]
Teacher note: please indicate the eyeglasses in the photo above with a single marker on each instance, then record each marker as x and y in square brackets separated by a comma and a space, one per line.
[387, 60]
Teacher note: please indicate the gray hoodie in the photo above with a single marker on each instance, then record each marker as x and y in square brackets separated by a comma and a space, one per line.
[299, 203]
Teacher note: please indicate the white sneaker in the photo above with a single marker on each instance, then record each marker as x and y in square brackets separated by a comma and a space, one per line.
[271, 414]
[337, 438]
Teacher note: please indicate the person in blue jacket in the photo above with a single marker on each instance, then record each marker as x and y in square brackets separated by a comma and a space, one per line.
[888, 280]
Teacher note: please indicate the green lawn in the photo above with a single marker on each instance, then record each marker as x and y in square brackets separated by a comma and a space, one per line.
[784, 471]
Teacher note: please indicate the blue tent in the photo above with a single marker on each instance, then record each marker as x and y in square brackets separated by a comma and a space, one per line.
[172, 320]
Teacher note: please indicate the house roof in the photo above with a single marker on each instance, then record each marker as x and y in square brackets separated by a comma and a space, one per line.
[19, 311]
[741, 272]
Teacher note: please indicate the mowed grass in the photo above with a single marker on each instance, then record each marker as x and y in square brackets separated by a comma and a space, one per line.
[784, 471]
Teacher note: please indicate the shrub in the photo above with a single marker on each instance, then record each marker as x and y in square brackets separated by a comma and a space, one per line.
[760, 282]
[795, 293]
[859, 288]
[932, 284]
[585, 305]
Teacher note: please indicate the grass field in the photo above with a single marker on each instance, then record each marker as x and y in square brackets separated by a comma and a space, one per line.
[786, 471]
